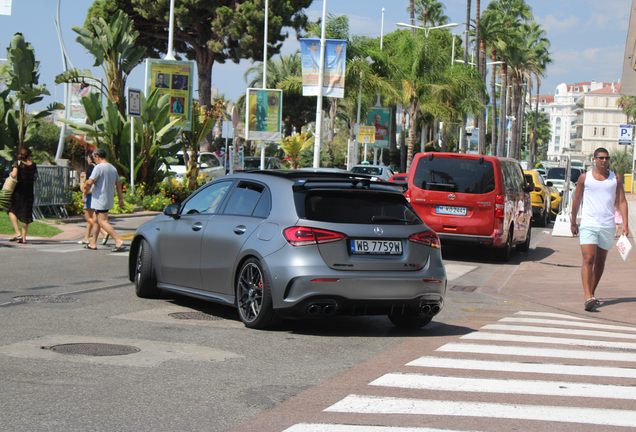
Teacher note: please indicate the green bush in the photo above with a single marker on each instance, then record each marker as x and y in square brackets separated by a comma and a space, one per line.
[156, 202]
[76, 207]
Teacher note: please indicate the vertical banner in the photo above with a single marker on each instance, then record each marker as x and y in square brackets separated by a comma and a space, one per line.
[174, 78]
[78, 91]
[380, 119]
[334, 72]
[264, 108]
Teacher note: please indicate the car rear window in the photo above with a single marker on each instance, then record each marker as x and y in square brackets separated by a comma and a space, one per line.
[359, 207]
[454, 175]
[366, 170]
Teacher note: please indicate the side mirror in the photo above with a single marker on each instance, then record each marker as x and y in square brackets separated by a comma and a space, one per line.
[529, 187]
[172, 210]
[550, 184]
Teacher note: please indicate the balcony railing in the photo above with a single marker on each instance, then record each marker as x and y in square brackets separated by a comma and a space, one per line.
[576, 135]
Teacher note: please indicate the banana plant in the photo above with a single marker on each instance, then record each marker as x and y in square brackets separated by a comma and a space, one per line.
[155, 134]
[203, 121]
[22, 72]
[109, 130]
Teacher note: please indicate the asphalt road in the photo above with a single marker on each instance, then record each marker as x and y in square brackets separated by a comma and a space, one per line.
[190, 374]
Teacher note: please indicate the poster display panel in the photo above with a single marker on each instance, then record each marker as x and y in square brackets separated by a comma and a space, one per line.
[380, 119]
[334, 70]
[173, 77]
[264, 109]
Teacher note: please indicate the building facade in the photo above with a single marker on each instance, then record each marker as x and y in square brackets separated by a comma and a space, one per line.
[598, 120]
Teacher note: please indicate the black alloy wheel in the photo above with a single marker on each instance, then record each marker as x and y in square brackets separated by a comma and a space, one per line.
[145, 276]
[253, 297]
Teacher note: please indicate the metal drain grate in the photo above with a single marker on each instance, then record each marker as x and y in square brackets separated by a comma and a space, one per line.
[45, 299]
[194, 316]
[93, 349]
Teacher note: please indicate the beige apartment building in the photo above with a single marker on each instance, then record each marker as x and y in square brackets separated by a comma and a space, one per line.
[598, 118]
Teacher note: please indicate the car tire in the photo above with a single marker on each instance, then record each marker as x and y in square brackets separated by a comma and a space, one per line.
[145, 276]
[525, 246]
[504, 253]
[409, 322]
[254, 297]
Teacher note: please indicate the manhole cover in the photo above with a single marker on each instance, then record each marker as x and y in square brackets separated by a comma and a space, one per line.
[194, 316]
[44, 299]
[93, 349]
[463, 288]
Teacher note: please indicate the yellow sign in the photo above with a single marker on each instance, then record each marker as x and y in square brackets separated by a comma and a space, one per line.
[174, 78]
[366, 134]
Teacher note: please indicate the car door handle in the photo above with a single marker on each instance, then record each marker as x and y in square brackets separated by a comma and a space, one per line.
[197, 226]
[240, 230]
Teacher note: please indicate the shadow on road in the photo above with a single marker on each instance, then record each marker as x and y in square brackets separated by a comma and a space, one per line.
[335, 326]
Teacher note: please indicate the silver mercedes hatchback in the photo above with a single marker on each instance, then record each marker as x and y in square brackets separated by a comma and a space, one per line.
[294, 244]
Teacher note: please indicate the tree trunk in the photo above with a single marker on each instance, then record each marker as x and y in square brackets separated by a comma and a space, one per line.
[477, 41]
[501, 146]
[204, 69]
[402, 143]
[521, 118]
[533, 146]
[493, 100]
[412, 131]
[412, 11]
[513, 127]
[333, 110]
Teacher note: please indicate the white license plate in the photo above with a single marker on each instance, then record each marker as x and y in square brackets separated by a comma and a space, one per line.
[376, 247]
[461, 211]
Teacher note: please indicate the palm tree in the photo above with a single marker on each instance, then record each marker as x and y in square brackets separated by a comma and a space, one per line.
[430, 12]
[628, 105]
[293, 145]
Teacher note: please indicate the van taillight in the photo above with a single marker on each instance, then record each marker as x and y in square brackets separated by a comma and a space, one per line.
[499, 207]
[303, 236]
[407, 195]
[428, 238]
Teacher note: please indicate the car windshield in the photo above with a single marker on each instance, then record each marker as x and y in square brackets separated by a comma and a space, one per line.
[252, 163]
[455, 175]
[367, 170]
[359, 207]
[559, 174]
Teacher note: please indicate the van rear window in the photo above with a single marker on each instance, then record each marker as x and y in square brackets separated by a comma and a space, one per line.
[454, 175]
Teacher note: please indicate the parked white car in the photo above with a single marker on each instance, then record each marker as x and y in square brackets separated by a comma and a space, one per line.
[379, 172]
[209, 165]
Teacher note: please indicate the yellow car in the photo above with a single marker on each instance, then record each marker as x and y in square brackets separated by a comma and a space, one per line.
[555, 201]
[541, 207]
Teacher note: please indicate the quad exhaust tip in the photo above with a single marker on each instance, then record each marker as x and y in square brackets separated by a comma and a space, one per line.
[430, 308]
[316, 309]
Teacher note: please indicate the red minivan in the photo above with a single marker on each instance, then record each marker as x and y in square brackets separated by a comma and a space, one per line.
[472, 199]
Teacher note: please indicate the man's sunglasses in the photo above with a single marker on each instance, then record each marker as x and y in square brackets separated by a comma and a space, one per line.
[603, 158]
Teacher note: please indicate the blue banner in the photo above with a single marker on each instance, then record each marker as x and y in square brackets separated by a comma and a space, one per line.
[334, 70]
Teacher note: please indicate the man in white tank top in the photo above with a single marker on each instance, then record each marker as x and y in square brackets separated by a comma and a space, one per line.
[598, 189]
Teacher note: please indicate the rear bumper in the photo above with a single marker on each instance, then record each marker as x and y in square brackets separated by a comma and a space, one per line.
[465, 240]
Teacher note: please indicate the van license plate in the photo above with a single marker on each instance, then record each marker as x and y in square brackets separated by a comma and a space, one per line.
[375, 247]
[461, 211]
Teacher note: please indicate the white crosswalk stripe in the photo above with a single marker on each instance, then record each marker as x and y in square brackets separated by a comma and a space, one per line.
[385, 405]
[532, 359]
[526, 367]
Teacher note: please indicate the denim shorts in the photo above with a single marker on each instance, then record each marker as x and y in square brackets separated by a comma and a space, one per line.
[602, 237]
[87, 203]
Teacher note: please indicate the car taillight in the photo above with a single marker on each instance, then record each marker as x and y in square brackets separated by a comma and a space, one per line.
[303, 236]
[407, 195]
[428, 238]
[499, 207]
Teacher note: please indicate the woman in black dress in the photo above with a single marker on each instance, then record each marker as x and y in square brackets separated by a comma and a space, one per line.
[21, 209]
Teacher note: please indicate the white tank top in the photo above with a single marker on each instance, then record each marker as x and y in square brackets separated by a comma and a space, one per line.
[598, 201]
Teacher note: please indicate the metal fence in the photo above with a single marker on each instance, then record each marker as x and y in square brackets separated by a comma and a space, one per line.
[53, 190]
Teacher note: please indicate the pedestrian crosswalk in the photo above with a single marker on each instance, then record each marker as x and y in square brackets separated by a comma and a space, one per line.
[531, 366]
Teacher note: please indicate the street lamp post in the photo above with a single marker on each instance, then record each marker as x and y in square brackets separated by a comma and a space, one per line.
[321, 77]
[427, 29]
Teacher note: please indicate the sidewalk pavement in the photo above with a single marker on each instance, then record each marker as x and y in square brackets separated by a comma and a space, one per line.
[551, 277]
[73, 228]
